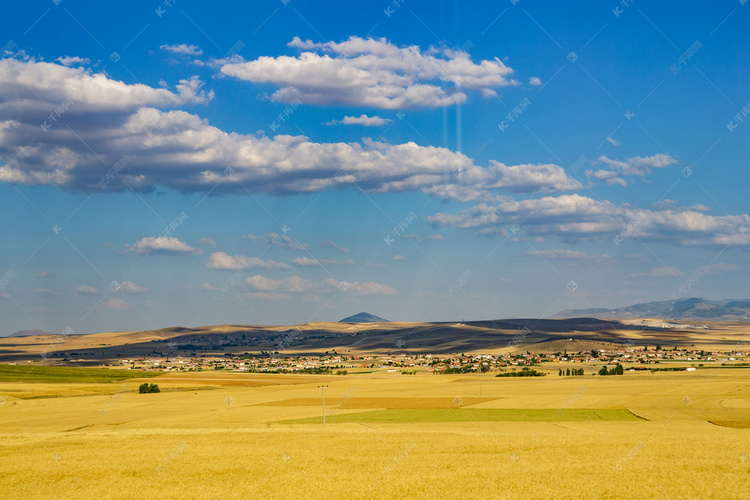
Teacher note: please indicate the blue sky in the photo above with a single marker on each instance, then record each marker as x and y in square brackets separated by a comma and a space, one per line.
[178, 163]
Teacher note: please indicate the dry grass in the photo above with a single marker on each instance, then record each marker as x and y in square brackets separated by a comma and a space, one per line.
[356, 403]
[226, 442]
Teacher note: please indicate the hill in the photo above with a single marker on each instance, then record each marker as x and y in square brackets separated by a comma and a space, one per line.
[29, 333]
[688, 309]
[364, 317]
[508, 335]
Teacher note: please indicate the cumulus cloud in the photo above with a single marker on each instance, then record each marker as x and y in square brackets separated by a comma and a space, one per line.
[73, 60]
[43, 86]
[297, 284]
[160, 245]
[575, 218]
[475, 183]
[183, 48]
[640, 166]
[45, 274]
[535, 81]
[367, 121]
[119, 140]
[398, 257]
[373, 73]
[308, 262]
[222, 260]
[87, 290]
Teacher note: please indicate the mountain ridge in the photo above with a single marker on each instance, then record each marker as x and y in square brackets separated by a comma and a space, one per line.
[694, 308]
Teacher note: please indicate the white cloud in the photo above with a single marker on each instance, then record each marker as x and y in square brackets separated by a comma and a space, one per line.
[87, 290]
[419, 237]
[373, 73]
[667, 204]
[308, 262]
[283, 241]
[330, 243]
[222, 260]
[183, 48]
[291, 284]
[559, 254]
[574, 218]
[367, 121]
[718, 268]
[130, 287]
[660, 272]
[266, 296]
[475, 183]
[535, 81]
[640, 166]
[398, 257]
[207, 242]
[45, 292]
[43, 86]
[176, 149]
[73, 60]
[208, 286]
[614, 142]
[296, 284]
[160, 245]
[118, 304]
[45, 274]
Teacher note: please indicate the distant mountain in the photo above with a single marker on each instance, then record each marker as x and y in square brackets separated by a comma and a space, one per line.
[28, 333]
[364, 317]
[694, 308]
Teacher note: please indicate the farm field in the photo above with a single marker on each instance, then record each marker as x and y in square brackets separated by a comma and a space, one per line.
[665, 434]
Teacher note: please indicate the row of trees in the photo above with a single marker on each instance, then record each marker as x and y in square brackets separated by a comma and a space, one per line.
[569, 372]
[525, 372]
[617, 370]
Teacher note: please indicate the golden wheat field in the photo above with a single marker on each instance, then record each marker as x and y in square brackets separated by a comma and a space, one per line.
[250, 436]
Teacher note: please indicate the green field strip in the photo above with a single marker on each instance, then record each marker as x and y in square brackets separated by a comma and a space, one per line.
[474, 415]
[67, 374]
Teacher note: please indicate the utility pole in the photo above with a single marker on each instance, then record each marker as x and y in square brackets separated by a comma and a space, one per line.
[323, 392]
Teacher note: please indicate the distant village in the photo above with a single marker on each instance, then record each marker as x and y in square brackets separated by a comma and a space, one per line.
[633, 358]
